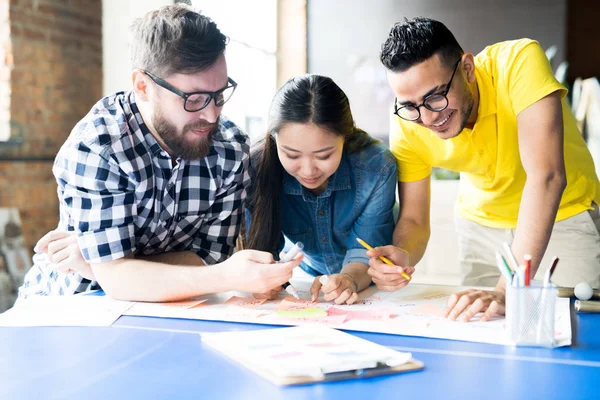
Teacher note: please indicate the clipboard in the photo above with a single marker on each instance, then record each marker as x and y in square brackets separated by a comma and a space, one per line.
[309, 354]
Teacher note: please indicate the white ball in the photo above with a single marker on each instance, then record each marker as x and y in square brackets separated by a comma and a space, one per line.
[583, 291]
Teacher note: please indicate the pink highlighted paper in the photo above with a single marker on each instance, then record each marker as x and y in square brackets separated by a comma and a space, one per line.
[184, 304]
[244, 302]
[290, 303]
[329, 320]
[376, 314]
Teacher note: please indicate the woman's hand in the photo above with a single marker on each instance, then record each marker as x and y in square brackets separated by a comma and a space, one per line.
[340, 288]
[63, 250]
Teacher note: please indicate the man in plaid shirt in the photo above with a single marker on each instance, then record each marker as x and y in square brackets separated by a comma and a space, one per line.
[152, 181]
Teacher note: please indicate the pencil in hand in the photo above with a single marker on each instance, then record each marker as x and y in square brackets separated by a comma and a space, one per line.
[382, 258]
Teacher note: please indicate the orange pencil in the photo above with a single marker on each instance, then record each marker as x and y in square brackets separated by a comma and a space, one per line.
[382, 258]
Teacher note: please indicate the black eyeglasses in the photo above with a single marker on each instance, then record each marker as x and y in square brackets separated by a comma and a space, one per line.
[434, 102]
[196, 101]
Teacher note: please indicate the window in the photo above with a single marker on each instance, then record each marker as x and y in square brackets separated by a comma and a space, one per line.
[251, 57]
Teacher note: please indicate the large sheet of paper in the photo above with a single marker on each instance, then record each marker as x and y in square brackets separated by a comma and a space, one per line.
[416, 310]
[65, 311]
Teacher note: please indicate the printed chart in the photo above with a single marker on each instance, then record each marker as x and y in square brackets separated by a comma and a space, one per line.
[416, 310]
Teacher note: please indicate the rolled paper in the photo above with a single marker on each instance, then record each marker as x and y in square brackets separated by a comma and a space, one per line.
[570, 292]
[587, 306]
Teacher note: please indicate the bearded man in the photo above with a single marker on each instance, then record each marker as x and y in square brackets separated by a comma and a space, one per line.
[152, 181]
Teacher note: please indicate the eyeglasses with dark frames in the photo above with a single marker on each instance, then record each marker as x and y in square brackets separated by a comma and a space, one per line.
[196, 101]
[436, 102]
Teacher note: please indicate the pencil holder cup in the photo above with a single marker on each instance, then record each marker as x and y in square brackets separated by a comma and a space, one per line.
[530, 314]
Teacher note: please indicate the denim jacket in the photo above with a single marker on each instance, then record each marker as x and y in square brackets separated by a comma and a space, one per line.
[357, 203]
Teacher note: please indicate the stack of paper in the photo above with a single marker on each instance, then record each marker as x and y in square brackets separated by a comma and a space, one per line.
[312, 353]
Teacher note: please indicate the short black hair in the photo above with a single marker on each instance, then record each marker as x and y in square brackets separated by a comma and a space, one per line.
[414, 41]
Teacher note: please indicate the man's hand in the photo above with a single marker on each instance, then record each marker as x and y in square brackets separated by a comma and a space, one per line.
[63, 250]
[387, 277]
[464, 305]
[256, 271]
[272, 294]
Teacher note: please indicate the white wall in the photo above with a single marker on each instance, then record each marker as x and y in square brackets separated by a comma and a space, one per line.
[117, 17]
[252, 29]
[440, 264]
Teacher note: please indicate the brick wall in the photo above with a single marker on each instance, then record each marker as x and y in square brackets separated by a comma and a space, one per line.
[55, 80]
[5, 67]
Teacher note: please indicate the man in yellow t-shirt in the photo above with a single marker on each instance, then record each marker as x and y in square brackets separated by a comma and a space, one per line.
[527, 178]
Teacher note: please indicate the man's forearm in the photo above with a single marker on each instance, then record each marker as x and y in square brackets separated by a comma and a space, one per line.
[175, 258]
[537, 213]
[142, 280]
[413, 238]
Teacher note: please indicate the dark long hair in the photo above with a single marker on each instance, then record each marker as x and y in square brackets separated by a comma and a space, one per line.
[312, 99]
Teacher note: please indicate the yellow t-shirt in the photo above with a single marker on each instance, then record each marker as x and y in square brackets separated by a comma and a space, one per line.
[511, 76]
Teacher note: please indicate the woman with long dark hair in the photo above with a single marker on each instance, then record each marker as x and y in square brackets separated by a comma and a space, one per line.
[319, 180]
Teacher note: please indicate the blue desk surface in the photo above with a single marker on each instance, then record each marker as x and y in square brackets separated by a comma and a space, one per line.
[153, 358]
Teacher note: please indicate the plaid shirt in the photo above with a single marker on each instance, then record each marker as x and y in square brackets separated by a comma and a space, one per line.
[118, 189]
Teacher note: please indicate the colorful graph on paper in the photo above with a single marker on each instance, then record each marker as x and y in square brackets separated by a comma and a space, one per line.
[416, 310]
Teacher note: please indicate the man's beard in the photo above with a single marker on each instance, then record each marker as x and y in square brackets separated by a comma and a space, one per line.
[176, 141]
[466, 110]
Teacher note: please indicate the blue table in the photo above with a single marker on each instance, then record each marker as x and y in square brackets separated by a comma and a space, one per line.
[153, 358]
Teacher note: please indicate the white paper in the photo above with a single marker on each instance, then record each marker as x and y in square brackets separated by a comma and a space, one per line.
[417, 310]
[65, 311]
[300, 351]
